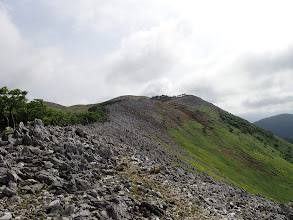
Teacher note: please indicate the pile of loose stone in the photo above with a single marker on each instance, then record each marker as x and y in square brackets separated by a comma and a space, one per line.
[112, 171]
[65, 173]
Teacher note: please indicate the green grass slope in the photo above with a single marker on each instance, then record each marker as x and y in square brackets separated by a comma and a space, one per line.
[230, 148]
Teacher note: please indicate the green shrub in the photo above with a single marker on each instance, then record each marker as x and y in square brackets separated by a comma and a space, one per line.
[14, 109]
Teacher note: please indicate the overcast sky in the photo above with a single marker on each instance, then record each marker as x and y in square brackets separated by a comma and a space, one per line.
[235, 54]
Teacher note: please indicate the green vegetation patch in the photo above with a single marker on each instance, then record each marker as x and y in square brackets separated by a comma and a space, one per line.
[266, 137]
[14, 108]
[238, 157]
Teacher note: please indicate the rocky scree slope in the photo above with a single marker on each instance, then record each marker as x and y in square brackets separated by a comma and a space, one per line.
[115, 170]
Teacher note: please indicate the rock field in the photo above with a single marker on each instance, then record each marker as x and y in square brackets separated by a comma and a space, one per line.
[114, 170]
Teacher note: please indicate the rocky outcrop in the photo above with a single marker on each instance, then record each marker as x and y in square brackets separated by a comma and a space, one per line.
[113, 171]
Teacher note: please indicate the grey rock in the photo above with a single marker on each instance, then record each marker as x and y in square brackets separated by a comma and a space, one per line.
[105, 214]
[9, 192]
[12, 176]
[53, 139]
[37, 187]
[145, 208]
[82, 184]
[27, 139]
[3, 176]
[80, 132]
[3, 162]
[83, 213]
[158, 194]
[70, 148]
[6, 216]
[3, 143]
[53, 206]
[22, 128]
[26, 152]
[15, 199]
[27, 189]
[17, 134]
[105, 152]
[12, 185]
[69, 210]
[11, 140]
[56, 161]
[38, 122]
[48, 164]
[37, 132]
[45, 177]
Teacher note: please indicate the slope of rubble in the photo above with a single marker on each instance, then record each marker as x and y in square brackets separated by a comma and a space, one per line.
[114, 170]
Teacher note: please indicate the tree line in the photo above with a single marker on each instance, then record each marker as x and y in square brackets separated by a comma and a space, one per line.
[14, 108]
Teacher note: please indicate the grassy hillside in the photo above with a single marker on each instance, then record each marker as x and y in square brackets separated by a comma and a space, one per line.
[230, 148]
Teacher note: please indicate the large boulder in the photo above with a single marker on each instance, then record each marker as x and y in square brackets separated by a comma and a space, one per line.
[105, 152]
[9, 192]
[80, 132]
[39, 131]
[53, 206]
[21, 128]
[4, 180]
[6, 216]
[45, 177]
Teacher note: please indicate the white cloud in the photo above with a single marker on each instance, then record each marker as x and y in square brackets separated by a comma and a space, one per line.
[43, 71]
[105, 16]
[146, 55]
[234, 54]
[12, 59]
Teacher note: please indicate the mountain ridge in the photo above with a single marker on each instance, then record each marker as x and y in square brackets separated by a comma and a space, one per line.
[182, 158]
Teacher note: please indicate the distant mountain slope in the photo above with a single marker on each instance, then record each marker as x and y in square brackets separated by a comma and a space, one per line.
[70, 109]
[280, 125]
[84, 108]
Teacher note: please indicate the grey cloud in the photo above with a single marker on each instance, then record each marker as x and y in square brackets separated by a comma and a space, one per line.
[267, 63]
[205, 91]
[104, 16]
[141, 67]
[147, 55]
[267, 101]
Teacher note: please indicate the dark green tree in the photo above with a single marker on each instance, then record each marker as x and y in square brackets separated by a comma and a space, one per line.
[16, 100]
[36, 109]
[4, 106]
[10, 102]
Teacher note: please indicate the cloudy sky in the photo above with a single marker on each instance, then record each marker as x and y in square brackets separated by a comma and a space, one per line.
[235, 54]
